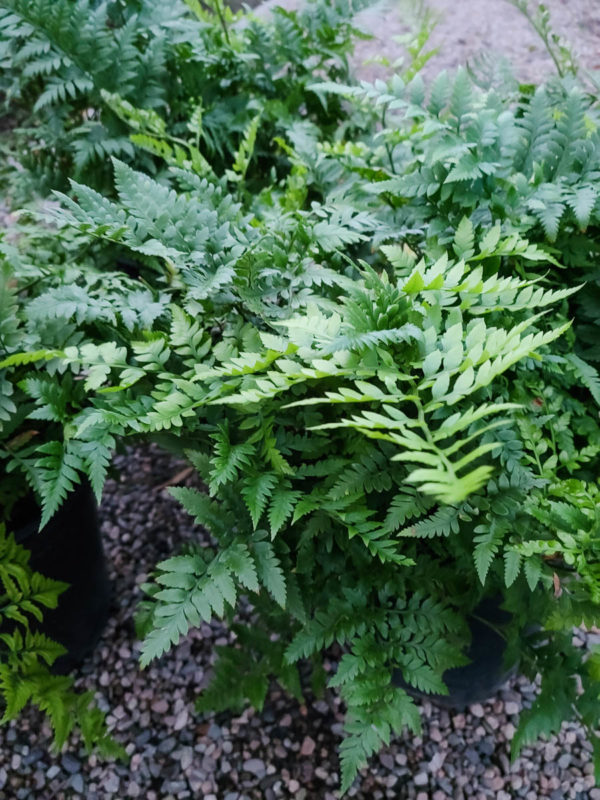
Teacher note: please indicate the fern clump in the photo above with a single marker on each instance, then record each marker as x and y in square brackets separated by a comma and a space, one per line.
[524, 165]
[28, 655]
[88, 81]
[388, 414]
[44, 309]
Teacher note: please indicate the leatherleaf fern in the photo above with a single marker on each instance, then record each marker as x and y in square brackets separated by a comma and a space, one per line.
[86, 80]
[44, 308]
[465, 155]
[393, 417]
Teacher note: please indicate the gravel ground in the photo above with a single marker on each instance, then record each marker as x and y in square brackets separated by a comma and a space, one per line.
[288, 750]
[467, 28]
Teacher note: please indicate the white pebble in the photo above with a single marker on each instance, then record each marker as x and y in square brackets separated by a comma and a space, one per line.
[180, 720]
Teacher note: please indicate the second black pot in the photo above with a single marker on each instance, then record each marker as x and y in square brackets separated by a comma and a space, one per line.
[70, 549]
[485, 674]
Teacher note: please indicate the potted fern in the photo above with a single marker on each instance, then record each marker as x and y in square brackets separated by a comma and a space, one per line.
[40, 468]
[54, 589]
[28, 655]
[380, 451]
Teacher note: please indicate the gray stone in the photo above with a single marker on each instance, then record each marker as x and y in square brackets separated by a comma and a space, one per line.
[143, 738]
[76, 783]
[445, 784]
[437, 761]
[186, 758]
[387, 760]
[487, 746]
[111, 783]
[181, 720]
[70, 764]
[421, 779]
[39, 778]
[256, 767]
[174, 787]
[167, 745]
[214, 732]
[35, 755]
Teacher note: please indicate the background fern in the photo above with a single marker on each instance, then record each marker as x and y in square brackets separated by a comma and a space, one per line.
[66, 62]
[27, 656]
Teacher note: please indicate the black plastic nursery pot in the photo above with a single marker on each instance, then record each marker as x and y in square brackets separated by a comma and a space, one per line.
[482, 678]
[69, 548]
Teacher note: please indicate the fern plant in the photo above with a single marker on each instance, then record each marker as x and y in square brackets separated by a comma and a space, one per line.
[27, 656]
[386, 411]
[45, 307]
[57, 57]
[198, 69]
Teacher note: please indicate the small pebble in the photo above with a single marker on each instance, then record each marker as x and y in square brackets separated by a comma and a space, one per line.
[77, 784]
[387, 760]
[256, 766]
[308, 746]
[181, 720]
[70, 764]
[508, 731]
[167, 745]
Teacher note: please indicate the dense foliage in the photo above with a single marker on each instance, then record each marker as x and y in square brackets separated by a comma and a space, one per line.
[71, 68]
[360, 317]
